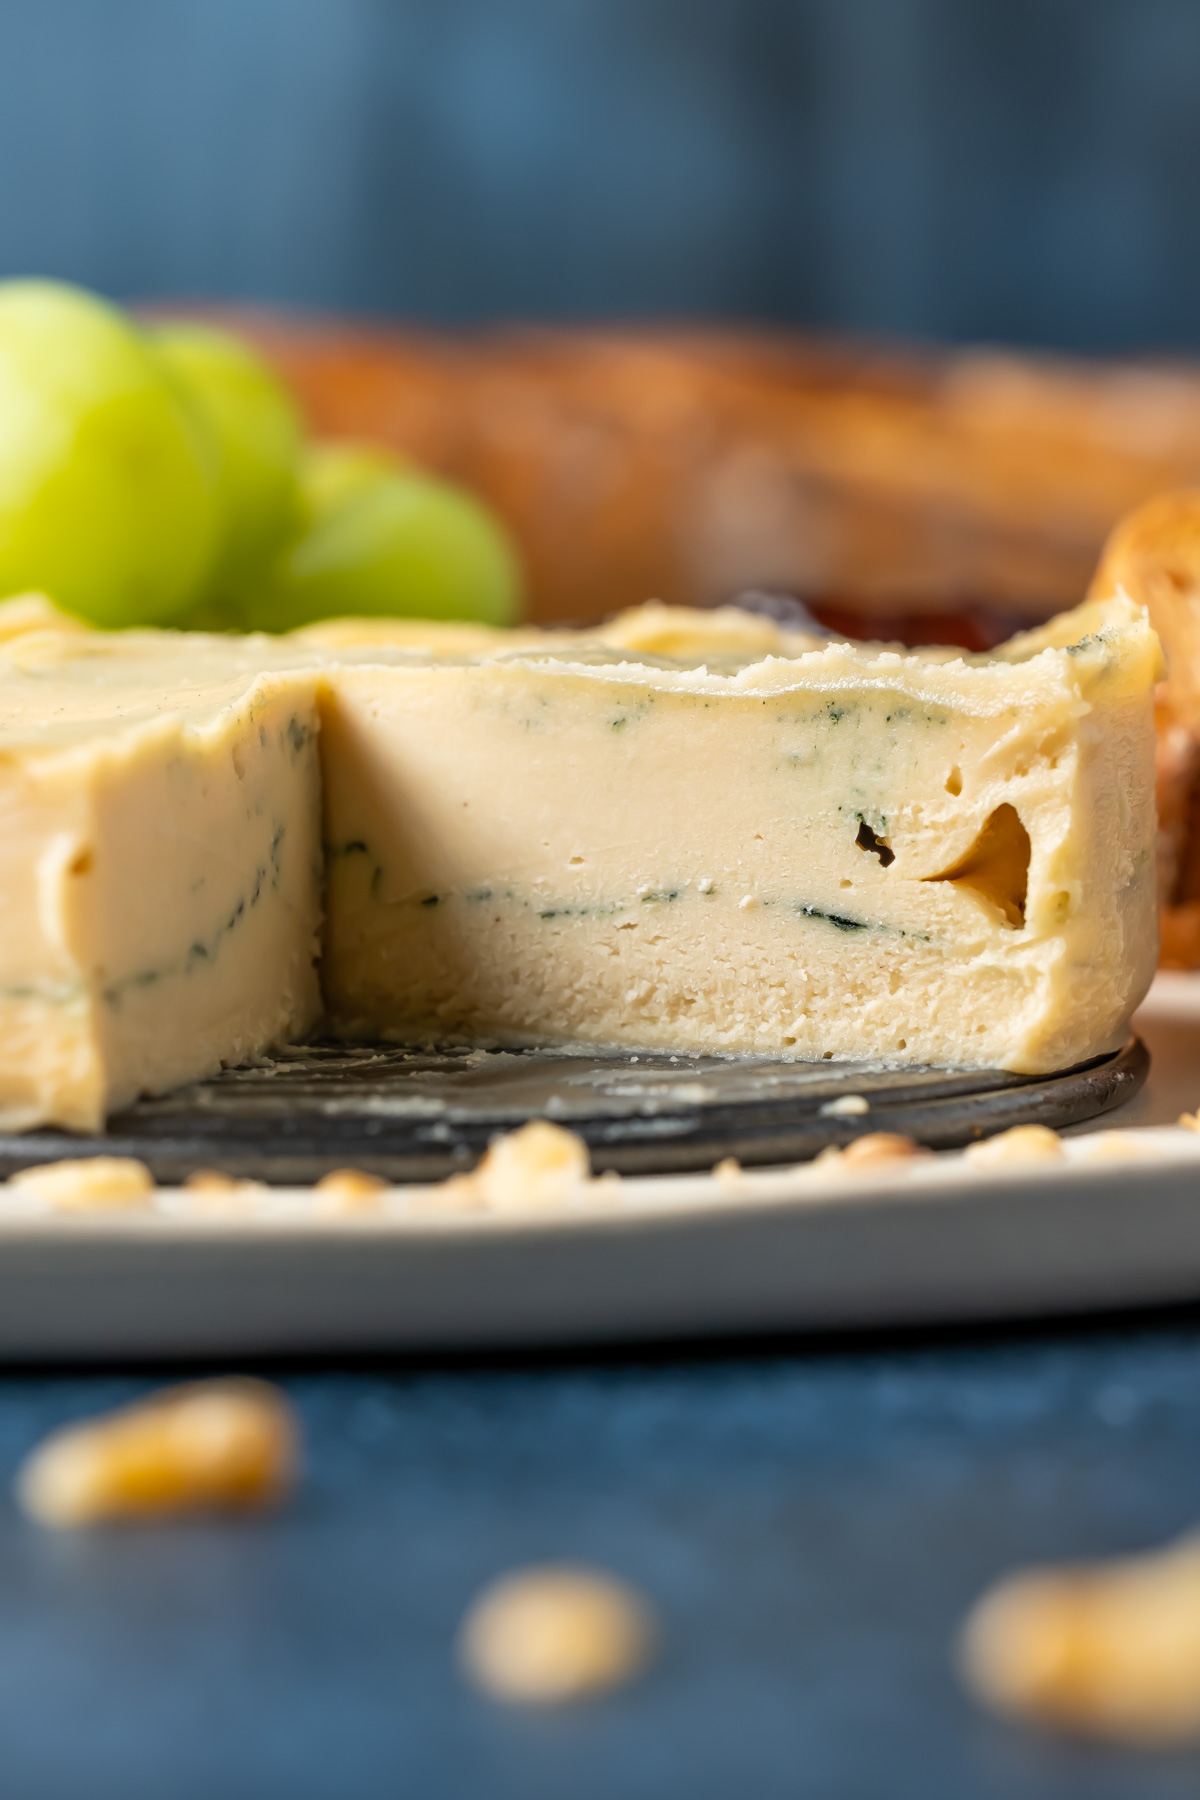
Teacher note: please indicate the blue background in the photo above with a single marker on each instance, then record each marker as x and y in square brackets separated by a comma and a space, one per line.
[1006, 169]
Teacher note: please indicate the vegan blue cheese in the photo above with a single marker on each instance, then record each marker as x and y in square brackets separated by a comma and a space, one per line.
[160, 865]
[809, 848]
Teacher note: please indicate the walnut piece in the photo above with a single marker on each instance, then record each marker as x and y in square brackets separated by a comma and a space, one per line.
[86, 1183]
[545, 1636]
[1111, 1651]
[1023, 1144]
[538, 1168]
[212, 1445]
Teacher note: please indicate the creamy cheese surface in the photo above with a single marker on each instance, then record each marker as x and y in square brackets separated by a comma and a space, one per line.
[160, 866]
[838, 851]
[854, 853]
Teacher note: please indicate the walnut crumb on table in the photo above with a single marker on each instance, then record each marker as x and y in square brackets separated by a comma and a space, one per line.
[206, 1446]
[549, 1635]
[1111, 1651]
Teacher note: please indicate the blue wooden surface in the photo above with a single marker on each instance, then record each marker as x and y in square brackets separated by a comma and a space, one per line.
[954, 168]
[811, 1526]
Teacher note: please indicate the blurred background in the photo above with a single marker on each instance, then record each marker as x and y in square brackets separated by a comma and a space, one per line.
[813, 1521]
[1010, 170]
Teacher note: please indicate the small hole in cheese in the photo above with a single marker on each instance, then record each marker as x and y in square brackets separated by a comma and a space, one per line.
[954, 780]
[996, 867]
[83, 863]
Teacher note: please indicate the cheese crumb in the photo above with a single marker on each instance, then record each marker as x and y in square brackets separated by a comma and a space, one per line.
[86, 1183]
[214, 1445]
[1112, 1651]
[1023, 1144]
[849, 1106]
[545, 1636]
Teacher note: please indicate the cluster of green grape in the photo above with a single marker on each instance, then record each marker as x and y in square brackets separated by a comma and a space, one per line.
[158, 475]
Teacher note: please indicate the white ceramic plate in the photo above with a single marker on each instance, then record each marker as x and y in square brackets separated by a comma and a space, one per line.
[1174, 997]
[1115, 1223]
[657, 1258]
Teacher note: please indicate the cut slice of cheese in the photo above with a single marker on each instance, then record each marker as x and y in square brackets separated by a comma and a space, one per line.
[843, 852]
[159, 865]
[856, 853]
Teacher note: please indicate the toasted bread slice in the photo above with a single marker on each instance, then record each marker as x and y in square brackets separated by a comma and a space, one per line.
[1153, 556]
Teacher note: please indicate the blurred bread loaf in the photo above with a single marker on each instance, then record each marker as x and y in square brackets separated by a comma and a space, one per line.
[687, 465]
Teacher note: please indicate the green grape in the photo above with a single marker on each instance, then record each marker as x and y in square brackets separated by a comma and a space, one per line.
[257, 431]
[383, 539]
[334, 472]
[107, 475]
